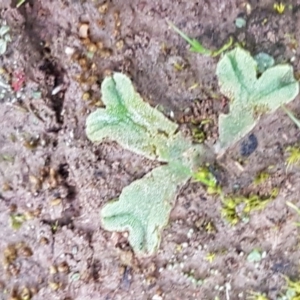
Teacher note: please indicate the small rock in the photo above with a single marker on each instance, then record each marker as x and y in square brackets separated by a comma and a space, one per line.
[249, 145]
[70, 51]
[84, 30]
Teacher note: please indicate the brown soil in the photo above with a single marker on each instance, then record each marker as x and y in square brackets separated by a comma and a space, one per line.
[57, 180]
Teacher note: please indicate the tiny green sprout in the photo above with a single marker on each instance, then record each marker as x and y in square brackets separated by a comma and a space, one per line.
[17, 220]
[20, 3]
[193, 86]
[196, 46]
[210, 227]
[261, 178]
[291, 116]
[54, 226]
[240, 22]
[210, 257]
[206, 121]
[204, 176]
[256, 296]
[293, 158]
[254, 202]
[178, 67]
[279, 7]
[254, 256]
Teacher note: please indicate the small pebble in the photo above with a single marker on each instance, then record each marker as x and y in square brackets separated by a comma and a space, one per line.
[157, 297]
[83, 31]
[69, 51]
[184, 245]
[249, 145]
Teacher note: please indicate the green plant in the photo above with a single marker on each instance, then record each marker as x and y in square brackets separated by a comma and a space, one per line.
[279, 7]
[144, 206]
[17, 220]
[293, 158]
[238, 81]
[20, 3]
[291, 116]
[210, 257]
[204, 176]
[261, 178]
[240, 22]
[236, 208]
[254, 256]
[196, 46]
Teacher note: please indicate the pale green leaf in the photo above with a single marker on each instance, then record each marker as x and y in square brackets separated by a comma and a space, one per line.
[238, 81]
[275, 87]
[237, 74]
[234, 126]
[130, 121]
[254, 256]
[144, 206]
[240, 22]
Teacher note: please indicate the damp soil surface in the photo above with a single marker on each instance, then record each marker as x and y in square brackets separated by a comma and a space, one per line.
[54, 181]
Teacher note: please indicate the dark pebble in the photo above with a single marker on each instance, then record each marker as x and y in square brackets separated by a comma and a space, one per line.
[249, 145]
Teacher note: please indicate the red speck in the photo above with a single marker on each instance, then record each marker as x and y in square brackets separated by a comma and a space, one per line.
[18, 80]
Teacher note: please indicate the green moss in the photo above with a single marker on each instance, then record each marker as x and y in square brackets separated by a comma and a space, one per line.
[261, 178]
[205, 176]
[236, 208]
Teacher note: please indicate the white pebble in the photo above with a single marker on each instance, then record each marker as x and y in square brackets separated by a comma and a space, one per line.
[157, 297]
[69, 51]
